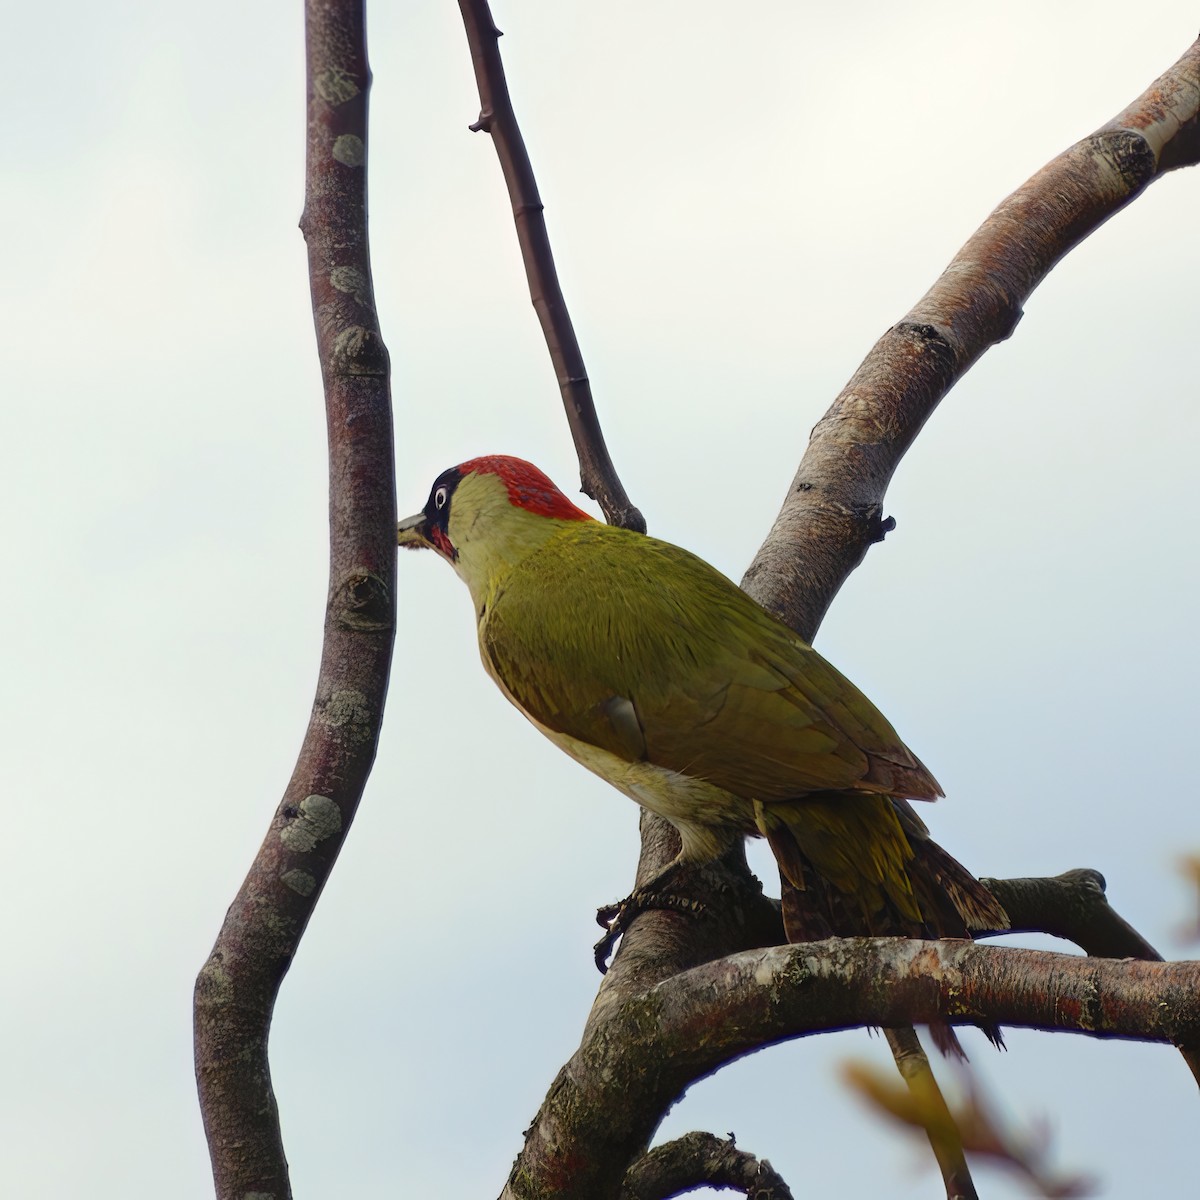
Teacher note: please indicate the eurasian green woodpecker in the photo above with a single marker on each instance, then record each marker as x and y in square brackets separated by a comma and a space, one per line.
[658, 673]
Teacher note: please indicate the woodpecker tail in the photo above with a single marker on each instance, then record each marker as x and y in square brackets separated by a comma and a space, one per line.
[854, 866]
[867, 866]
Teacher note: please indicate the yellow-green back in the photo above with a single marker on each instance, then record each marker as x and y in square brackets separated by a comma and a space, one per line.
[720, 689]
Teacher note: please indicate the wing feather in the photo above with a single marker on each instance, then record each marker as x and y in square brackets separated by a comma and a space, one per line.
[673, 664]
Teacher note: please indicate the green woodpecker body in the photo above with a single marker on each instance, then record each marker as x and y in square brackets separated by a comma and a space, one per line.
[659, 674]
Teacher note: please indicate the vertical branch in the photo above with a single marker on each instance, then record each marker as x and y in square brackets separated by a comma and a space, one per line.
[236, 988]
[597, 474]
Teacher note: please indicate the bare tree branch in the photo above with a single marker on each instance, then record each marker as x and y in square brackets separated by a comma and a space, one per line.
[702, 1160]
[236, 989]
[632, 1067]
[834, 506]
[833, 510]
[784, 991]
[1072, 906]
[831, 515]
[597, 474]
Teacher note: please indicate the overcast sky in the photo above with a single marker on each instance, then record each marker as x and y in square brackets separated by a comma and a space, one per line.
[742, 201]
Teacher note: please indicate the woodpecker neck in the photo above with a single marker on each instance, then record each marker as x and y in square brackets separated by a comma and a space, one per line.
[492, 535]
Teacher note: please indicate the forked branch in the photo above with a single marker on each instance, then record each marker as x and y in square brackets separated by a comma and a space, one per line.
[833, 511]
[834, 508]
[610, 1096]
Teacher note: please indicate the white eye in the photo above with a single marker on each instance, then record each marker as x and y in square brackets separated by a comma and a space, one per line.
[440, 497]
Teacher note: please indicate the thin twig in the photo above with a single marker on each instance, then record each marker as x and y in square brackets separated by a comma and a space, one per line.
[598, 476]
[236, 989]
[944, 1138]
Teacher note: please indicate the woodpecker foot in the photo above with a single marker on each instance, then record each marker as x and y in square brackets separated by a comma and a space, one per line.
[615, 919]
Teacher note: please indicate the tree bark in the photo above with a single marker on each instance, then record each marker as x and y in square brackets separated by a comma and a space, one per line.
[832, 513]
[236, 988]
[631, 1068]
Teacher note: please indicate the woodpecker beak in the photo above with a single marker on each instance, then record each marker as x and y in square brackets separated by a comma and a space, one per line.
[411, 533]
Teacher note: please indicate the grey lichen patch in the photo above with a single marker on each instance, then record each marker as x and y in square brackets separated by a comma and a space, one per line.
[350, 342]
[350, 714]
[215, 986]
[359, 351]
[348, 149]
[279, 929]
[301, 882]
[319, 818]
[335, 86]
[351, 281]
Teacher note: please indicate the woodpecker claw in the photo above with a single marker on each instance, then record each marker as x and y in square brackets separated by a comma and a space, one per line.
[603, 948]
[615, 919]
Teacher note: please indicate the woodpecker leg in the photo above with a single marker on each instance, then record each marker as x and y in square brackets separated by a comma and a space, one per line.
[615, 919]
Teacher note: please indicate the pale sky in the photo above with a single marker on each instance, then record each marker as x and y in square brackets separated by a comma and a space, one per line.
[741, 201]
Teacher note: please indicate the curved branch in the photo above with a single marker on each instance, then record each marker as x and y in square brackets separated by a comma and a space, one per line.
[628, 1071]
[1072, 906]
[759, 996]
[833, 510]
[702, 1160]
[236, 988]
[598, 476]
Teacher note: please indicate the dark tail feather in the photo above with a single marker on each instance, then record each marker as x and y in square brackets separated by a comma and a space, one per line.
[952, 903]
[926, 893]
[944, 885]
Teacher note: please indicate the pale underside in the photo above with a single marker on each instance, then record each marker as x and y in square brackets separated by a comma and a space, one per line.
[708, 818]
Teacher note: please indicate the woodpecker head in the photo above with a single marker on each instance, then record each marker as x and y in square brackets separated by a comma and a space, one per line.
[487, 514]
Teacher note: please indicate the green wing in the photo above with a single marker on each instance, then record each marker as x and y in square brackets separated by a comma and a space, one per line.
[643, 649]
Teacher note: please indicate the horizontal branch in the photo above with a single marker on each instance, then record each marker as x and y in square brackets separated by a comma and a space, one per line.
[638, 1062]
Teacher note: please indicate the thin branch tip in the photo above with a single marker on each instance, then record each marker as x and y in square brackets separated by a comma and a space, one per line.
[498, 118]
